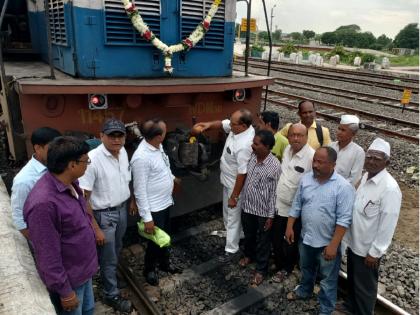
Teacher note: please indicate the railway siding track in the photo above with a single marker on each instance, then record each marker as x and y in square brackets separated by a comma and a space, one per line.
[349, 94]
[337, 77]
[357, 72]
[289, 100]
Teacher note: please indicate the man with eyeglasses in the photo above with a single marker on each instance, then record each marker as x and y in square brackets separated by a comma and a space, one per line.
[233, 169]
[153, 185]
[60, 229]
[375, 216]
[106, 187]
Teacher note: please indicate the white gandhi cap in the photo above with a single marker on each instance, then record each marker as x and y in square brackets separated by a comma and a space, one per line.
[381, 145]
[349, 119]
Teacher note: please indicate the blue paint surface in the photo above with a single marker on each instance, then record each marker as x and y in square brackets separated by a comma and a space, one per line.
[90, 54]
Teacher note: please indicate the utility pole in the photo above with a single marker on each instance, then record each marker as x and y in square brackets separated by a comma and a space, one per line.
[271, 19]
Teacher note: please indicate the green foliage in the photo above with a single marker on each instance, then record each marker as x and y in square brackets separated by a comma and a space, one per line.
[408, 37]
[383, 42]
[352, 28]
[288, 48]
[368, 58]
[277, 35]
[296, 36]
[308, 34]
[257, 48]
[405, 61]
[329, 38]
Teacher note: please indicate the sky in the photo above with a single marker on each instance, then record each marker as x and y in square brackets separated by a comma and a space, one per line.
[377, 16]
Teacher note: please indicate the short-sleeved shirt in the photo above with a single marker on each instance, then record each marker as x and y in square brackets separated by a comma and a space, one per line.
[350, 161]
[23, 183]
[322, 207]
[259, 192]
[107, 178]
[236, 154]
[312, 136]
[280, 144]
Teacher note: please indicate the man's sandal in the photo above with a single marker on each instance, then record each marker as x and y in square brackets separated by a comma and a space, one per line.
[244, 261]
[280, 276]
[257, 280]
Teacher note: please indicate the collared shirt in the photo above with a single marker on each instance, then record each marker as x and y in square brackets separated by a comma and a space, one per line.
[280, 145]
[259, 192]
[153, 181]
[236, 154]
[322, 207]
[312, 137]
[350, 161]
[22, 186]
[62, 234]
[375, 215]
[294, 166]
[107, 178]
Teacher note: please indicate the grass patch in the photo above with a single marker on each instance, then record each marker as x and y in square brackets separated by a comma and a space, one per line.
[405, 61]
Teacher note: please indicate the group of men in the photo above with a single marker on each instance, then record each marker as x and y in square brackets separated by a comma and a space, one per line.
[290, 191]
[71, 203]
[306, 203]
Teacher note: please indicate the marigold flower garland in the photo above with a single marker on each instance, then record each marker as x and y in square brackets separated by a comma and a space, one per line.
[168, 51]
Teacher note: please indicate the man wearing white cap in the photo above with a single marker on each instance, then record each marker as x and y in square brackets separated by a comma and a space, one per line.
[375, 215]
[351, 156]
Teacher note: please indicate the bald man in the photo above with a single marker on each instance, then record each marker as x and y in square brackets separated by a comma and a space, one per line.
[297, 161]
[233, 170]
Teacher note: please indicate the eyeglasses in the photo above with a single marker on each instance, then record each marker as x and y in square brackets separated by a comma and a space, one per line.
[88, 161]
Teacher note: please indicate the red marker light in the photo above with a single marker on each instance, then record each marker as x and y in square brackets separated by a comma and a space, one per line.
[95, 100]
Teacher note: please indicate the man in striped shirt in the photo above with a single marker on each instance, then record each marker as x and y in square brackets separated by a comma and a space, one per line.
[259, 203]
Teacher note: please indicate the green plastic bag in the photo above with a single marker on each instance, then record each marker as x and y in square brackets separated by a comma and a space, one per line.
[160, 238]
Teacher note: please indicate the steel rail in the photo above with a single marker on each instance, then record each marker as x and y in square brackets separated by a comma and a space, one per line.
[358, 95]
[349, 109]
[338, 78]
[351, 72]
[363, 94]
[364, 125]
[382, 300]
[143, 304]
[346, 71]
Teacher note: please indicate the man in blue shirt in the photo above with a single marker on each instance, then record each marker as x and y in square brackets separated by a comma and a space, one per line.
[324, 201]
[30, 173]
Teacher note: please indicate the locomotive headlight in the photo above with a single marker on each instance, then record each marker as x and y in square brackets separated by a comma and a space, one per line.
[239, 95]
[97, 101]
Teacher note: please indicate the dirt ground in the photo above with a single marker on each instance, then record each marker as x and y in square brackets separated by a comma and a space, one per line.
[407, 233]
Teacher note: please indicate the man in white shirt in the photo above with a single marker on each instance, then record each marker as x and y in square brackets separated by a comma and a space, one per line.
[297, 160]
[375, 216]
[350, 156]
[25, 180]
[233, 170]
[153, 184]
[106, 187]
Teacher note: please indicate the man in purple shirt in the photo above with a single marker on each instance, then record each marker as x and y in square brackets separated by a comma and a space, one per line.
[61, 230]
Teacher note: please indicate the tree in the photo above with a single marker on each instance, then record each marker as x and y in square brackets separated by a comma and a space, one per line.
[352, 27]
[308, 34]
[296, 36]
[365, 40]
[277, 35]
[382, 42]
[408, 37]
[263, 36]
[329, 38]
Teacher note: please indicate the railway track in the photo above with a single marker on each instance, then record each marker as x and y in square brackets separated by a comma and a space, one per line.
[212, 288]
[358, 72]
[403, 129]
[331, 76]
[349, 94]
